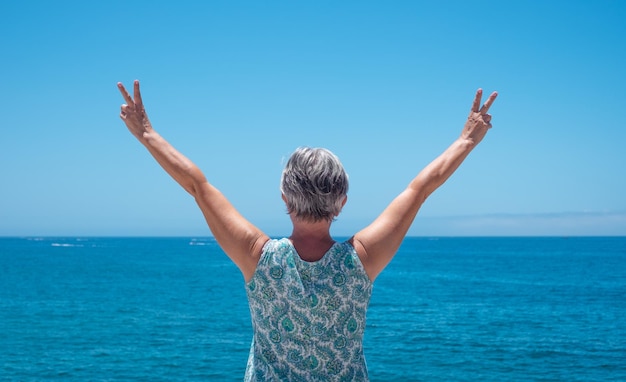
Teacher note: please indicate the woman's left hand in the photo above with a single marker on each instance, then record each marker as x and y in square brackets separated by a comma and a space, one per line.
[478, 121]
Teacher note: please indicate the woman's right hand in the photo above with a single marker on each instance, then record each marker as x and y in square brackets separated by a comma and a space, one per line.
[133, 113]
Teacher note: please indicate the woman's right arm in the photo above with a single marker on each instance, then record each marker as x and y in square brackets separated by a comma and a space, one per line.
[241, 240]
[378, 242]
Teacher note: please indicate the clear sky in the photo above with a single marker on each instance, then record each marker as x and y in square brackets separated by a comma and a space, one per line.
[386, 85]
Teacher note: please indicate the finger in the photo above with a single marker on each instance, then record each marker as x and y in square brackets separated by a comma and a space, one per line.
[487, 118]
[488, 103]
[124, 111]
[137, 93]
[476, 103]
[125, 94]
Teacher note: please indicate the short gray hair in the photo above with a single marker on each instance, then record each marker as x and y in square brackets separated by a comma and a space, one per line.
[314, 184]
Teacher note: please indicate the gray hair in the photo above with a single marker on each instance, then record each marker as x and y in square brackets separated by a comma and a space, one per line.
[314, 184]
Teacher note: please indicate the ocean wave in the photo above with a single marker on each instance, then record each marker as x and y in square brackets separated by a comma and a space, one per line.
[66, 245]
[202, 242]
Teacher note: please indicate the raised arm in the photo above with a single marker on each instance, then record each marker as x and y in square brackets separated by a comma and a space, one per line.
[378, 242]
[241, 241]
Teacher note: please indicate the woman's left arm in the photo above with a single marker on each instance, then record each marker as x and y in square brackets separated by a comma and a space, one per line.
[378, 242]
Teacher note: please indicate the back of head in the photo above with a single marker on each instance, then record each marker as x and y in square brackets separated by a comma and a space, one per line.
[314, 184]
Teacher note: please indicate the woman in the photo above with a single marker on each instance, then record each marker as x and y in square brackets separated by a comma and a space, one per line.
[307, 293]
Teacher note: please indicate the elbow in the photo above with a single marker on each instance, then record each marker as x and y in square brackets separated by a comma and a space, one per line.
[195, 182]
[416, 196]
[192, 189]
[421, 197]
[195, 188]
[423, 186]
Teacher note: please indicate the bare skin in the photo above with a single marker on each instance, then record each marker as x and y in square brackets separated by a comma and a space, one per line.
[243, 242]
[377, 243]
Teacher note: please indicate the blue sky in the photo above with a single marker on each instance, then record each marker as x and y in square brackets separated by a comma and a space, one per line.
[386, 85]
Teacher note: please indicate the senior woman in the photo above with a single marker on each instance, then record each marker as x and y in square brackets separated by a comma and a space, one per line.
[307, 293]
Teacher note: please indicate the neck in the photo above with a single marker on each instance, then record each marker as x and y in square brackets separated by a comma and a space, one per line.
[319, 230]
[311, 239]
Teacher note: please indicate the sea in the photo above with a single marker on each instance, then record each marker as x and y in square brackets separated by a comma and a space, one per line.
[445, 309]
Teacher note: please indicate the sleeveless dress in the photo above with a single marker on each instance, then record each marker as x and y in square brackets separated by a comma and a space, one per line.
[308, 318]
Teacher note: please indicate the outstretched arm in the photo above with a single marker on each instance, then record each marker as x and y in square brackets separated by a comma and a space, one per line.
[241, 241]
[378, 242]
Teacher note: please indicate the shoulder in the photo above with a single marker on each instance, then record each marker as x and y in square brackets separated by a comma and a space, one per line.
[360, 253]
[275, 245]
[349, 256]
[275, 248]
[358, 248]
[346, 248]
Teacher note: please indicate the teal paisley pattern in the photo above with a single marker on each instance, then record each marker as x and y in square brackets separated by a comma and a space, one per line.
[308, 317]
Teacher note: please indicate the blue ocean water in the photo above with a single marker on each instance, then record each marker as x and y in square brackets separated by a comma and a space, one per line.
[445, 309]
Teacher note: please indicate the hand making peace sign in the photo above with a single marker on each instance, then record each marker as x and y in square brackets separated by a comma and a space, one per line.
[133, 113]
[478, 121]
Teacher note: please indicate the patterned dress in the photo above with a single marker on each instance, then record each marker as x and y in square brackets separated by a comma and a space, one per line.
[308, 317]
